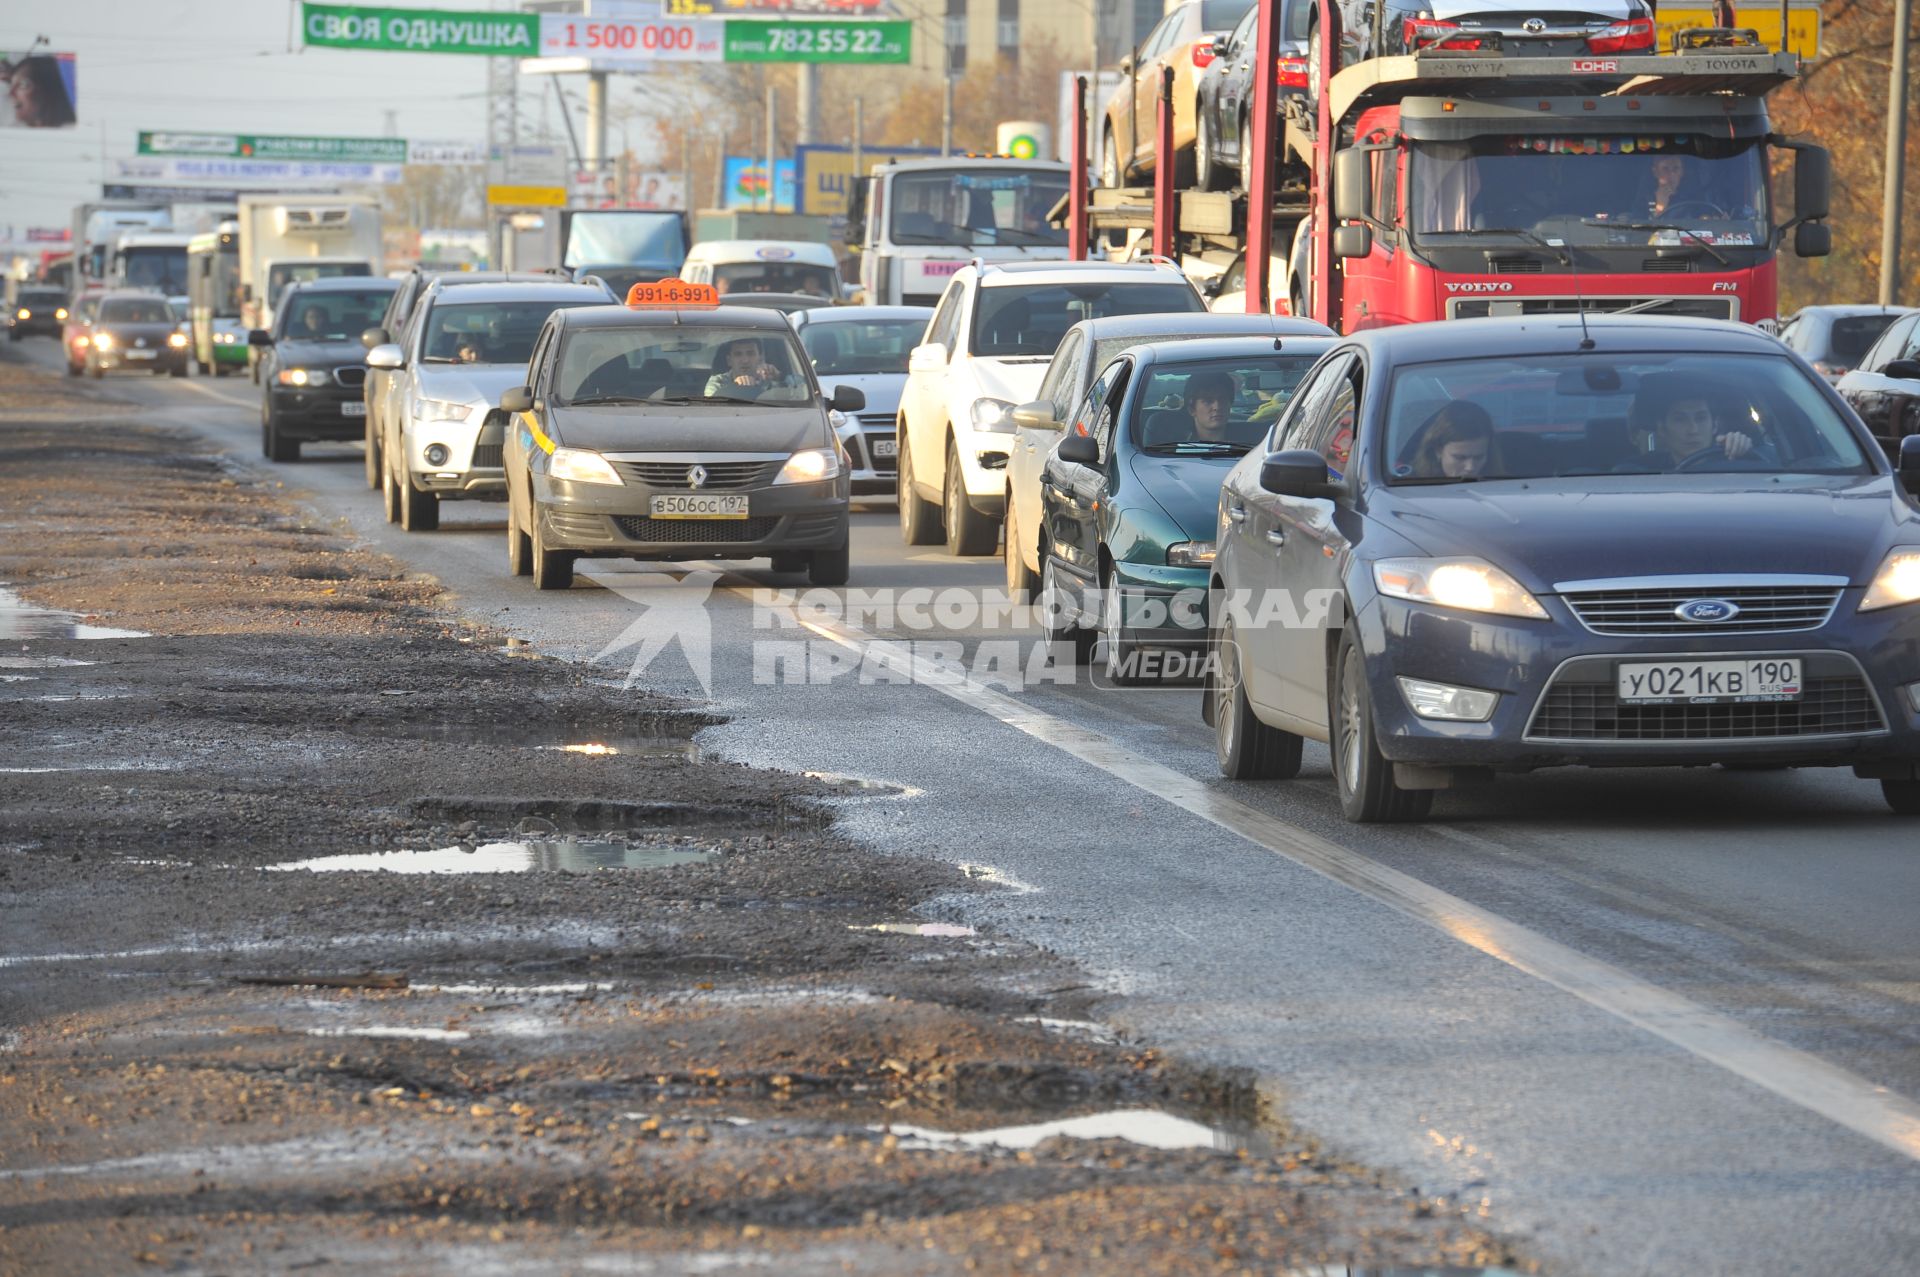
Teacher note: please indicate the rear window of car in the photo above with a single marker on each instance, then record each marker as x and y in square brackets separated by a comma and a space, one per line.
[1221, 15]
[1853, 335]
[1012, 320]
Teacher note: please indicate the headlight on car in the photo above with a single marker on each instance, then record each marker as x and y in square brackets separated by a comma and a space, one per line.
[1470, 585]
[23, 313]
[61, 314]
[177, 340]
[103, 341]
[1897, 581]
[577, 465]
[995, 415]
[1190, 554]
[224, 339]
[810, 465]
[440, 410]
[302, 377]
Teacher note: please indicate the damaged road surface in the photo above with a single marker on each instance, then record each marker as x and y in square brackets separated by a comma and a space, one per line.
[338, 935]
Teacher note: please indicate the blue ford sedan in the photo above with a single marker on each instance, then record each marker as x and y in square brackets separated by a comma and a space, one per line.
[1505, 544]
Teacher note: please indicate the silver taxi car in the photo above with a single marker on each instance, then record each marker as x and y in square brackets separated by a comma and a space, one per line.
[674, 428]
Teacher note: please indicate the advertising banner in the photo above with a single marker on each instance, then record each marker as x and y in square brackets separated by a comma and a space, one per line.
[368, 150]
[824, 175]
[40, 91]
[747, 186]
[573, 43]
[769, 8]
[445, 152]
[527, 196]
[169, 169]
[862, 42]
[343, 26]
[619, 43]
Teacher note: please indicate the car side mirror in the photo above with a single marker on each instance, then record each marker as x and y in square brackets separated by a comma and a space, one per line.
[1812, 239]
[1078, 450]
[928, 358]
[848, 399]
[1037, 415]
[1222, 44]
[1297, 472]
[1352, 241]
[1907, 464]
[388, 356]
[259, 337]
[1126, 65]
[517, 399]
[375, 337]
[1902, 369]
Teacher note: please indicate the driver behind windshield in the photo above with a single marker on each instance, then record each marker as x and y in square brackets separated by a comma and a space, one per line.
[1681, 416]
[744, 372]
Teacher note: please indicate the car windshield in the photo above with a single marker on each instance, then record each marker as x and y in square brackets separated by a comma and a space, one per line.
[1220, 406]
[1587, 415]
[1852, 336]
[162, 269]
[861, 346]
[1628, 191]
[135, 310]
[281, 274]
[625, 235]
[1031, 319]
[331, 316]
[977, 207]
[483, 332]
[47, 298]
[776, 277]
[681, 363]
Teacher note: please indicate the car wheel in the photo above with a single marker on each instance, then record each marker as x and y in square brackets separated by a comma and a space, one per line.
[389, 494]
[552, 569]
[1110, 173]
[1313, 71]
[73, 369]
[1021, 579]
[95, 370]
[519, 547]
[276, 447]
[419, 511]
[831, 567]
[1902, 795]
[178, 370]
[371, 445]
[1119, 654]
[1206, 168]
[919, 517]
[1368, 794]
[206, 369]
[1054, 602]
[970, 534]
[1245, 747]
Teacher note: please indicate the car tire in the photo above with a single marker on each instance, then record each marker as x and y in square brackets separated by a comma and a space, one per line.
[1245, 747]
[1206, 166]
[831, 567]
[1022, 581]
[73, 369]
[552, 569]
[272, 445]
[919, 517]
[389, 495]
[178, 370]
[1902, 795]
[1060, 630]
[1111, 174]
[1364, 777]
[970, 534]
[373, 457]
[1116, 652]
[519, 547]
[206, 369]
[419, 511]
[96, 371]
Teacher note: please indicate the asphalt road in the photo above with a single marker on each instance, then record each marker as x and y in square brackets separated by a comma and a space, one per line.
[1644, 1021]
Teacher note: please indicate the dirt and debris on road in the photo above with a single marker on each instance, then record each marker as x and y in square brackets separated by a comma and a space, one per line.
[661, 1024]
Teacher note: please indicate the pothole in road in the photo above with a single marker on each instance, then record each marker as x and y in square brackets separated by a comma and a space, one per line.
[592, 740]
[947, 929]
[38, 662]
[526, 856]
[19, 620]
[1149, 1128]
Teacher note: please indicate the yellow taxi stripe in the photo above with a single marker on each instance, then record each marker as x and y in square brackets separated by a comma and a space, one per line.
[539, 436]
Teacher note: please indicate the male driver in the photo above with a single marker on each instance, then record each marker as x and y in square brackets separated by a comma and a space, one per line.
[313, 322]
[1679, 412]
[746, 373]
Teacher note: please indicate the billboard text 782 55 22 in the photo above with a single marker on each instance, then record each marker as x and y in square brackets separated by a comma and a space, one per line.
[40, 90]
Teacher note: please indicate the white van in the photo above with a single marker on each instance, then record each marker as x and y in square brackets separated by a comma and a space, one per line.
[765, 266]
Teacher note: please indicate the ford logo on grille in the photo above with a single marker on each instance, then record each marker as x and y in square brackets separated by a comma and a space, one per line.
[696, 476]
[1707, 611]
[1534, 26]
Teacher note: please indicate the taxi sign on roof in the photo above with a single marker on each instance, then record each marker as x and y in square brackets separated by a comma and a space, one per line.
[773, 253]
[673, 292]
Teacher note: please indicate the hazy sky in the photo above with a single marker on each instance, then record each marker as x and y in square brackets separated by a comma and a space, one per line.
[223, 66]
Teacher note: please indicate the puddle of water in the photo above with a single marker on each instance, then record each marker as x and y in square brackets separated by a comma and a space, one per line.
[1146, 1127]
[18, 678]
[38, 662]
[998, 877]
[585, 739]
[508, 858]
[379, 1031]
[917, 928]
[519, 990]
[1084, 1028]
[862, 786]
[19, 620]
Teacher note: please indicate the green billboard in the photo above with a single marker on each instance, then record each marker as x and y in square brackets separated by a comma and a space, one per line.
[344, 26]
[246, 146]
[819, 41]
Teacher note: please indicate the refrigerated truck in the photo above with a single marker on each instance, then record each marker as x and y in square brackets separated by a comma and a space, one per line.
[286, 239]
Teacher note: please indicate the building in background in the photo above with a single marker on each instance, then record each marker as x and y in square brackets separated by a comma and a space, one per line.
[959, 35]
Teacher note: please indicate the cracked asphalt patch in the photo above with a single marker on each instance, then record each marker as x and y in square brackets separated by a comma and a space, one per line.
[209, 1064]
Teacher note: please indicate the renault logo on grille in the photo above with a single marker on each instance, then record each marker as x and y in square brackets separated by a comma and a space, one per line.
[696, 476]
[1534, 26]
[1707, 611]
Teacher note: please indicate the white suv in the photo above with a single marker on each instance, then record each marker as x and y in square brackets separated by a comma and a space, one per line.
[986, 350]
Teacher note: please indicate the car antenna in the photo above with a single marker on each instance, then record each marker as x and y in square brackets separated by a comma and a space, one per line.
[1579, 297]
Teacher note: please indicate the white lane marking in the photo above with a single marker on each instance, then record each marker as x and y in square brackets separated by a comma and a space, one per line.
[1837, 1094]
[211, 393]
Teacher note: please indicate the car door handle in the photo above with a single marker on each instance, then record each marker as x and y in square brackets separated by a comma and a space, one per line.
[1238, 513]
[1276, 537]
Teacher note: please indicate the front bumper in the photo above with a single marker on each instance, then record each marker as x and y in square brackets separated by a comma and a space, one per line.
[1557, 701]
[473, 465]
[615, 522]
[118, 360]
[1161, 606]
[865, 445]
[983, 468]
[318, 412]
[36, 327]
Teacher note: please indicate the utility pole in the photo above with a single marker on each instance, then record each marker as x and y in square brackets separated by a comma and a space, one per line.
[807, 109]
[596, 147]
[773, 150]
[859, 133]
[946, 117]
[1896, 160]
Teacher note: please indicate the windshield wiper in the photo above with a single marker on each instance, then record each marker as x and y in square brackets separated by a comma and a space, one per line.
[1199, 447]
[1421, 481]
[1691, 235]
[1033, 237]
[1558, 250]
[598, 400]
[439, 359]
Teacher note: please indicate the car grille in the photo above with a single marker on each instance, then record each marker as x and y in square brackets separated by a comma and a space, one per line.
[352, 377]
[720, 474]
[696, 531]
[1581, 704]
[488, 456]
[1692, 307]
[1764, 609]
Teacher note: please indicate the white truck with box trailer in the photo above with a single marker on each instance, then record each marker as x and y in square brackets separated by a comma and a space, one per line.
[286, 239]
